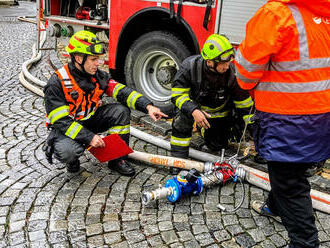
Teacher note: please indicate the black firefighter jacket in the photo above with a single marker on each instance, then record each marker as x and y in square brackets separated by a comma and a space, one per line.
[55, 99]
[196, 87]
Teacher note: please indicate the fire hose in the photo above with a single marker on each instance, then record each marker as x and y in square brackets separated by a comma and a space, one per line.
[321, 201]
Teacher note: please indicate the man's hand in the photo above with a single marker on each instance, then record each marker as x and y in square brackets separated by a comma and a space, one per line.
[97, 141]
[200, 118]
[155, 112]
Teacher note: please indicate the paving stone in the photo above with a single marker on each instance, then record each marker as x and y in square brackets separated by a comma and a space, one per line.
[39, 243]
[155, 241]
[130, 225]
[169, 237]
[229, 244]
[112, 238]
[267, 244]
[150, 230]
[221, 236]
[247, 223]
[235, 229]
[148, 219]
[244, 240]
[181, 226]
[37, 235]
[16, 238]
[129, 216]
[166, 216]
[95, 241]
[57, 237]
[204, 239]
[277, 240]
[123, 244]
[134, 236]
[180, 218]
[196, 219]
[94, 229]
[191, 244]
[111, 226]
[16, 226]
[198, 229]
[257, 234]
[185, 236]
[165, 226]
[58, 225]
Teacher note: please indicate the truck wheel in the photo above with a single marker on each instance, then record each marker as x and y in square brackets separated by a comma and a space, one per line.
[151, 64]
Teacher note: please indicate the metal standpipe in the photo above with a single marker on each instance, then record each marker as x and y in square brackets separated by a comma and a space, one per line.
[192, 183]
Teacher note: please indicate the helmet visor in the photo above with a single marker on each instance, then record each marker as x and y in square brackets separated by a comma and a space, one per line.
[225, 56]
[96, 48]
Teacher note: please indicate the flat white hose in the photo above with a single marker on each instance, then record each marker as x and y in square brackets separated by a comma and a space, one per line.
[203, 156]
[27, 65]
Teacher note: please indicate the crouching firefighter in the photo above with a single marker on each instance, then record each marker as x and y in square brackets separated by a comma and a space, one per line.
[205, 90]
[75, 114]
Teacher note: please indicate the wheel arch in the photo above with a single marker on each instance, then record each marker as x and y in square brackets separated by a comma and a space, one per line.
[154, 18]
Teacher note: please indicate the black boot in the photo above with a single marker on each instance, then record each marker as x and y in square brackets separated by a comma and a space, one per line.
[122, 167]
[73, 167]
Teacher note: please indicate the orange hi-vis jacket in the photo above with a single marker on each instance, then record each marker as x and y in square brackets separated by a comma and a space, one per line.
[285, 58]
[83, 102]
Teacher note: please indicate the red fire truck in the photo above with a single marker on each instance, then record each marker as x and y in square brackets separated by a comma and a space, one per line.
[149, 38]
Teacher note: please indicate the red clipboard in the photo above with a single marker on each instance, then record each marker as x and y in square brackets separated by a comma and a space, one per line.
[114, 148]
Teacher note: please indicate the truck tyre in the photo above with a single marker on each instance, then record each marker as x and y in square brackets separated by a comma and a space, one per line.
[151, 64]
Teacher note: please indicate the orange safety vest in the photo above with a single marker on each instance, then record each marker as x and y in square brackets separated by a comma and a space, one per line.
[82, 103]
[286, 57]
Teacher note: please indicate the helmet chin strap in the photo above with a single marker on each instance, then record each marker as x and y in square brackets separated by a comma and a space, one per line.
[82, 64]
[214, 67]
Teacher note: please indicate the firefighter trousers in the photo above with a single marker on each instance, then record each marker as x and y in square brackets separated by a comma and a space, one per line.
[113, 118]
[215, 138]
[290, 199]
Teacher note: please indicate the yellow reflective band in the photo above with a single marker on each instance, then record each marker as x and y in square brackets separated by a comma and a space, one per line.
[212, 110]
[117, 88]
[181, 100]
[202, 131]
[73, 130]
[180, 141]
[58, 113]
[132, 98]
[119, 129]
[247, 119]
[219, 115]
[248, 102]
[88, 116]
[179, 91]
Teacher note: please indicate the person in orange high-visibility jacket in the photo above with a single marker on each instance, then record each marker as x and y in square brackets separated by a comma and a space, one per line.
[75, 115]
[285, 60]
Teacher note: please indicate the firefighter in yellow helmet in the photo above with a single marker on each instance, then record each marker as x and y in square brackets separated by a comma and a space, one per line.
[73, 101]
[205, 90]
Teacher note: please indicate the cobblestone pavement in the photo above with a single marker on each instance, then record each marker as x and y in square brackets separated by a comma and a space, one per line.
[43, 206]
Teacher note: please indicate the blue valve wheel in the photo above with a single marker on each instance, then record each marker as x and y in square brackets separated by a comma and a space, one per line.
[176, 195]
[199, 187]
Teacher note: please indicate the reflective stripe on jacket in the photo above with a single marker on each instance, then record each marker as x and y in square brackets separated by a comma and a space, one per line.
[289, 65]
[58, 106]
[82, 106]
[190, 84]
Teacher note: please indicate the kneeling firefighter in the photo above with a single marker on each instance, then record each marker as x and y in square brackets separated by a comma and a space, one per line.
[205, 90]
[75, 113]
